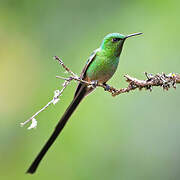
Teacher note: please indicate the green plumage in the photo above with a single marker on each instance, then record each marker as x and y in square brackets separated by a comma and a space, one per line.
[102, 67]
[105, 60]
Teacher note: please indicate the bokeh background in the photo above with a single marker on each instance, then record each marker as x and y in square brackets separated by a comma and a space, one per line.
[132, 136]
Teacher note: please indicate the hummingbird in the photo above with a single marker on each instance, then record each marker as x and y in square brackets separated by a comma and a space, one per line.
[100, 67]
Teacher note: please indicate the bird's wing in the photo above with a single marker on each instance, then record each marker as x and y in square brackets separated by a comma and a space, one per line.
[83, 73]
[89, 61]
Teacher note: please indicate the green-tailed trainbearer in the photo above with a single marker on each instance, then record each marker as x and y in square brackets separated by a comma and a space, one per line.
[100, 67]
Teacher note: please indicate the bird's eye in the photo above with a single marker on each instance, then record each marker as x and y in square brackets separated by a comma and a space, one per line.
[115, 39]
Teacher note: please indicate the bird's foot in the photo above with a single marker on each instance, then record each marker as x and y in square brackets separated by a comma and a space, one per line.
[107, 87]
[94, 83]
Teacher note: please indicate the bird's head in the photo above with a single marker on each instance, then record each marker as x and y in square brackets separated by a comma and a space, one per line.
[114, 42]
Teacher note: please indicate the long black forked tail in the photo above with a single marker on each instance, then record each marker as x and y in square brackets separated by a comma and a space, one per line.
[58, 129]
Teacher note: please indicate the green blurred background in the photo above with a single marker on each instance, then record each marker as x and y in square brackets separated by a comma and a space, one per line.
[134, 136]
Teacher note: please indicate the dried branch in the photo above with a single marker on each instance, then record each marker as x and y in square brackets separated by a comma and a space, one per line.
[55, 99]
[64, 66]
[162, 80]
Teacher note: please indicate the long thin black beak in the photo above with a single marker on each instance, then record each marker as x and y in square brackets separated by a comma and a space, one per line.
[135, 34]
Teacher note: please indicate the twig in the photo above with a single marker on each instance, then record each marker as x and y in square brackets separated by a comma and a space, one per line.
[162, 80]
[55, 99]
[64, 66]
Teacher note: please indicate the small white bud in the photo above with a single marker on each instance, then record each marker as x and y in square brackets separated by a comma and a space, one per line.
[33, 124]
[21, 124]
[56, 95]
[55, 100]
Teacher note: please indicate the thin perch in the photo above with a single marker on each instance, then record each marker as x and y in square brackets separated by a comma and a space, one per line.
[162, 80]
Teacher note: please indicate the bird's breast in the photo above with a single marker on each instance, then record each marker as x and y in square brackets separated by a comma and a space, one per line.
[102, 69]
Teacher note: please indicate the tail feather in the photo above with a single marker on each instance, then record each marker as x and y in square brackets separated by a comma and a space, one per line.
[58, 129]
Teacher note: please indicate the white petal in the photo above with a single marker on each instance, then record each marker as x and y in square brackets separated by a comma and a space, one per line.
[56, 93]
[55, 100]
[33, 124]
